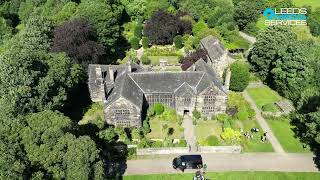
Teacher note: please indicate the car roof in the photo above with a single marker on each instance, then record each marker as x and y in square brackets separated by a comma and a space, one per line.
[195, 157]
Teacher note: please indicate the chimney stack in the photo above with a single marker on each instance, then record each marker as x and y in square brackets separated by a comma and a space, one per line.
[227, 80]
[111, 73]
[129, 65]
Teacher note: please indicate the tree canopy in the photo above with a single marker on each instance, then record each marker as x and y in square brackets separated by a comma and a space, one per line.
[78, 39]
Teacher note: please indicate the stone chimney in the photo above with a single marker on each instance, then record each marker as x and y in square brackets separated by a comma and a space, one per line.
[129, 68]
[111, 73]
[227, 79]
[98, 72]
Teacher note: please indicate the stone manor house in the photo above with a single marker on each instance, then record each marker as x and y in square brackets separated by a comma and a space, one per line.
[128, 90]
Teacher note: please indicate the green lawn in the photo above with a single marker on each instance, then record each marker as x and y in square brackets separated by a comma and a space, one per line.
[156, 129]
[282, 130]
[207, 128]
[155, 60]
[265, 96]
[313, 3]
[255, 144]
[246, 175]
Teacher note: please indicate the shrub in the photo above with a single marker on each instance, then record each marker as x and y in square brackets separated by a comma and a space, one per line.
[146, 126]
[145, 42]
[240, 76]
[138, 31]
[200, 25]
[196, 114]
[226, 124]
[242, 115]
[132, 153]
[231, 136]
[134, 42]
[193, 57]
[157, 144]
[158, 108]
[178, 42]
[136, 134]
[251, 29]
[168, 142]
[145, 143]
[145, 60]
[194, 121]
[212, 141]
[221, 117]
[182, 143]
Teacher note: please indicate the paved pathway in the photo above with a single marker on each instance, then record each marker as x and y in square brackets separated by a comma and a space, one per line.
[249, 38]
[189, 133]
[287, 162]
[264, 125]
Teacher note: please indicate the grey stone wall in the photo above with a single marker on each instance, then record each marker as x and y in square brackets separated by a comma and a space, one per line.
[181, 106]
[220, 149]
[134, 117]
[168, 150]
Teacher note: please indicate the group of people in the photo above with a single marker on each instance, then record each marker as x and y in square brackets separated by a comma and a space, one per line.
[254, 130]
[264, 137]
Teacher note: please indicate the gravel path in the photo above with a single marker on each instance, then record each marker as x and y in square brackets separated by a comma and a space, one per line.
[249, 38]
[189, 133]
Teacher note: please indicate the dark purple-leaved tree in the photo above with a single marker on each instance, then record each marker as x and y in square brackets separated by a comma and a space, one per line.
[193, 57]
[78, 39]
[162, 27]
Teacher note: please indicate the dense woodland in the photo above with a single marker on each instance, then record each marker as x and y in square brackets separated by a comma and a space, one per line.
[46, 45]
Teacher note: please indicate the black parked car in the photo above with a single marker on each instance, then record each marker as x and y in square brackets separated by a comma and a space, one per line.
[187, 162]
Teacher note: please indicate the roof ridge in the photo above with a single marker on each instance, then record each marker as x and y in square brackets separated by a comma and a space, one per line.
[136, 82]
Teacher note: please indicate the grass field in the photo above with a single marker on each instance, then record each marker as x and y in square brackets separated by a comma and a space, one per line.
[155, 60]
[156, 129]
[231, 176]
[313, 3]
[255, 144]
[265, 96]
[207, 128]
[282, 130]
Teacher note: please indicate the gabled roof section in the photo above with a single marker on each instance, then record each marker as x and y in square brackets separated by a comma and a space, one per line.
[185, 90]
[126, 88]
[214, 48]
[210, 75]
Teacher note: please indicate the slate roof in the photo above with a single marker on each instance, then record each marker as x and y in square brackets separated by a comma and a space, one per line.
[214, 48]
[133, 85]
[210, 75]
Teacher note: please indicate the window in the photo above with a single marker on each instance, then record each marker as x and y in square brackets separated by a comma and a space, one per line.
[123, 122]
[166, 99]
[208, 109]
[186, 101]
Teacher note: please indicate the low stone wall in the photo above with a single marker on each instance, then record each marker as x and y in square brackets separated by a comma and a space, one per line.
[185, 150]
[169, 150]
[220, 149]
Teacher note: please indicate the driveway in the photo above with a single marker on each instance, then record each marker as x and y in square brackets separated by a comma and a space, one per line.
[287, 162]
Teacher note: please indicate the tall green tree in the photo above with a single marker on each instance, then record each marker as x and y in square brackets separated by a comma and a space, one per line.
[245, 12]
[240, 76]
[278, 58]
[314, 22]
[105, 17]
[31, 79]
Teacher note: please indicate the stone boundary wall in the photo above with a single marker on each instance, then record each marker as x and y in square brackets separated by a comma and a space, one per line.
[220, 149]
[185, 150]
[168, 150]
